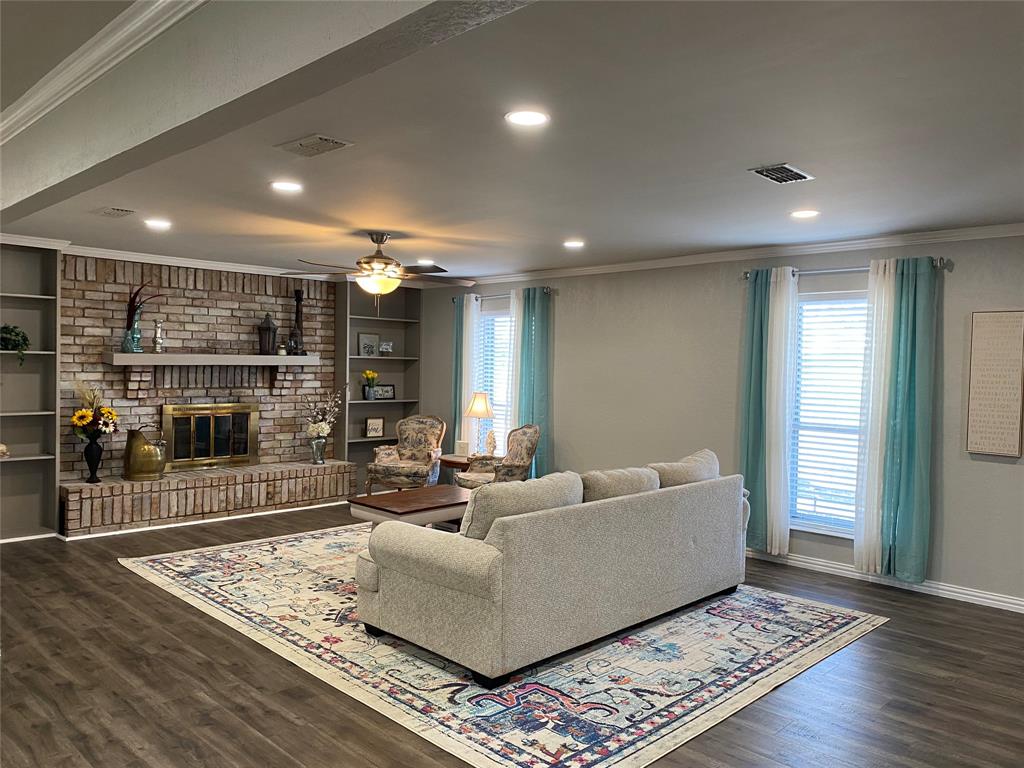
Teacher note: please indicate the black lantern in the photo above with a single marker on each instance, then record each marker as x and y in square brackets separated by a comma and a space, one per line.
[268, 335]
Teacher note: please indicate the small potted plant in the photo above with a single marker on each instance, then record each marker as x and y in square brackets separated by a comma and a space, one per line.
[369, 383]
[13, 339]
[320, 417]
[91, 422]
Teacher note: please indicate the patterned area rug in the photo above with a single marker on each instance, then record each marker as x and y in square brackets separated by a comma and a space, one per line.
[623, 701]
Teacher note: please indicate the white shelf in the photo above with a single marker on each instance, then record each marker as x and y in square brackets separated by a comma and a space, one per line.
[35, 457]
[383, 319]
[29, 413]
[27, 352]
[364, 402]
[27, 296]
[380, 357]
[143, 359]
[371, 439]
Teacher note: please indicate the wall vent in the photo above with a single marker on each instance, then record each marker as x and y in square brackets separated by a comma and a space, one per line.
[114, 213]
[313, 145]
[783, 173]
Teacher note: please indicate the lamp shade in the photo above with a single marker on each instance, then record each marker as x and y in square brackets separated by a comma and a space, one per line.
[480, 407]
[378, 284]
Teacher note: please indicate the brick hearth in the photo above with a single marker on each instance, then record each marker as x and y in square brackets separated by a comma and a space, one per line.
[201, 495]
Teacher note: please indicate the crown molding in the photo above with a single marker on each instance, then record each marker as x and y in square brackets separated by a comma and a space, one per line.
[34, 242]
[178, 261]
[129, 31]
[770, 252]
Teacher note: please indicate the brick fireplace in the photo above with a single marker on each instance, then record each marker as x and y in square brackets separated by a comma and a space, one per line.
[203, 312]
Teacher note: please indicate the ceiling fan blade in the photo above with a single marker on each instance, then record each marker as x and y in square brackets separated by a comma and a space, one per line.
[335, 267]
[424, 269]
[452, 282]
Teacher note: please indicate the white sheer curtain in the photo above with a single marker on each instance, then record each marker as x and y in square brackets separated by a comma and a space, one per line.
[470, 321]
[515, 308]
[867, 526]
[780, 391]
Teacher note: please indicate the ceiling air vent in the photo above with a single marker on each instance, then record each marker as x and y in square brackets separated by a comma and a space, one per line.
[114, 213]
[311, 146]
[783, 173]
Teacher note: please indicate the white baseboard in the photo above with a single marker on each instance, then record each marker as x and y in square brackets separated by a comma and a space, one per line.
[938, 588]
[193, 522]
[34, 536]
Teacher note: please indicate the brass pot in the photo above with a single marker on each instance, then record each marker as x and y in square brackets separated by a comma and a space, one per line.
[143, 459]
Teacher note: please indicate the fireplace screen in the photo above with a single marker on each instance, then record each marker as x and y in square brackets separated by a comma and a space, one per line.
[210, 434]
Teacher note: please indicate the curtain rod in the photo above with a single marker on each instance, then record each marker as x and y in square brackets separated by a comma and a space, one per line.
[544, 288]
[940, 263]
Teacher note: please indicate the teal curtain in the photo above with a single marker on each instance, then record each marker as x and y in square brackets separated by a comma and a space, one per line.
[906, 482]
[752, 406]
[452, 434]
[535, 372]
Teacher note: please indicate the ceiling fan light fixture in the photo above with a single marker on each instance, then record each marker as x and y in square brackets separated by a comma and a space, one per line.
[378, 284]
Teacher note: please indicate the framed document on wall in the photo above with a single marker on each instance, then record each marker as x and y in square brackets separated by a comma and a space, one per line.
[995, 400]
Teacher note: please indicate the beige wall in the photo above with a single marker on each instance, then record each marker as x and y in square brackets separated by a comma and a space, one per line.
[647, 367]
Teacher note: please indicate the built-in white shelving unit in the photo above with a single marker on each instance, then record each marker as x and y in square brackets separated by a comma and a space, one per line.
[29, 392]
[399, 323]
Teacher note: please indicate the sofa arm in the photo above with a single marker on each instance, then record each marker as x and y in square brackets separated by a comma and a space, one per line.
[445, 559]
[746, 508]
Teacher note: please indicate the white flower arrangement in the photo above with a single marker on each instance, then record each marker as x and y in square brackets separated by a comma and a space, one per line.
[318, 429]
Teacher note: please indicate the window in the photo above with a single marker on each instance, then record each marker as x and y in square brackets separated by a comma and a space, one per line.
[493, 358]
[826, 434]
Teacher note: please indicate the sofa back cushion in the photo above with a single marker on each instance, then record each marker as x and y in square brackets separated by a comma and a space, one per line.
[608, 483]
[489, 502]
[702, 465]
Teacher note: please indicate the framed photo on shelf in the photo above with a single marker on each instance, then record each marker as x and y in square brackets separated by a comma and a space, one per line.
[374, 426]
[379, 392]
[367, 344]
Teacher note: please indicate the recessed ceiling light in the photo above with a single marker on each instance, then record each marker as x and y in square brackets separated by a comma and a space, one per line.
[804, 214]
[574, 243]
[425, 262]
[286, 186]
[158, 225]
[527, 117]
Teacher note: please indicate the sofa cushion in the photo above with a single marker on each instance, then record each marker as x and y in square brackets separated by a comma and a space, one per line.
[702, 465]
[489, 502]
[607, 483]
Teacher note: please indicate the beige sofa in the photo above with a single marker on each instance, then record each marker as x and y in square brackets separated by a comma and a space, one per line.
[536, 570]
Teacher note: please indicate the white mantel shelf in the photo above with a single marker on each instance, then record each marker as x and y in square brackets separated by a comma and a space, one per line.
[149, 359]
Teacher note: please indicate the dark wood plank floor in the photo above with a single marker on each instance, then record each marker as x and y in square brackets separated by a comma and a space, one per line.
[102, 669]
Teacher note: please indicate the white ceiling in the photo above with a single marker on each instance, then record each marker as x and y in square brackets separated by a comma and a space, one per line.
[36, 35]
[910, 115]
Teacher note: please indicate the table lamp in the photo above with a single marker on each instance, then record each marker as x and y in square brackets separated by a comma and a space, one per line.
[480, 408]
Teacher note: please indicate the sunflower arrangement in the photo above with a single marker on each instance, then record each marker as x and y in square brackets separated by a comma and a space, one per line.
[93, 419]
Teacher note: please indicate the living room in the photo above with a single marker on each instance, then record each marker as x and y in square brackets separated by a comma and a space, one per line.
[512, 384]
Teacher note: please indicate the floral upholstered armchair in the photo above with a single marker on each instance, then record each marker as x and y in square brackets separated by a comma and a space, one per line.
[415, 461]
[522, 445]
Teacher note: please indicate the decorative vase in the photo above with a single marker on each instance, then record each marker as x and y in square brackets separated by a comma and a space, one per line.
[369, 392]
[131, 339]
[158, 336]
[319, 446]
[295, 345]
[93, 455]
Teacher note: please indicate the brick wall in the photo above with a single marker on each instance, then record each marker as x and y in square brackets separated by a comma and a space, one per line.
[204, 311]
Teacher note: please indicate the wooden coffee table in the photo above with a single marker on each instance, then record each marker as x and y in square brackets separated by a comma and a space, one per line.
[419, 506]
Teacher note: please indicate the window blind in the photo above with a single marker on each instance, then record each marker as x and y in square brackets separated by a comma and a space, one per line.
[493, 370]
[826, 434]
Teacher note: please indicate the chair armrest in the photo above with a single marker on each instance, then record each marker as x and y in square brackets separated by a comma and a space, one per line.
[484, 463]
[445, 559]
[382, 454]
[435, 454]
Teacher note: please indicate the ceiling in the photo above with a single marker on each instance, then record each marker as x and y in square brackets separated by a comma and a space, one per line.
[910, 115]
[36, 35]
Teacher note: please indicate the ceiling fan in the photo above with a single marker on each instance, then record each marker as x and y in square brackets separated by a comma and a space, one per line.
[378, 274]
